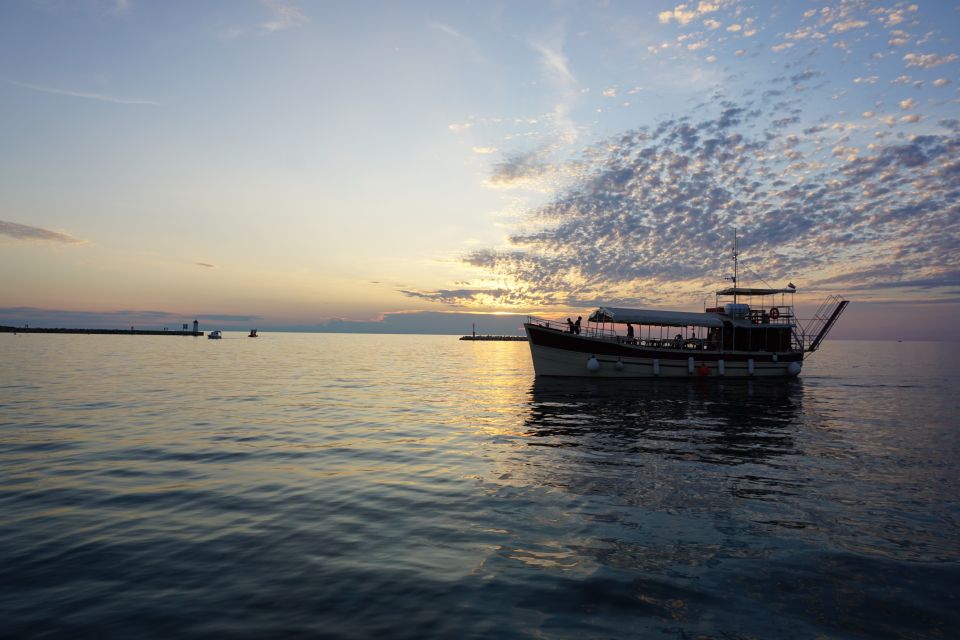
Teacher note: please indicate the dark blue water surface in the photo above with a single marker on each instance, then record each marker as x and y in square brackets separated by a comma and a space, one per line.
[339, 486]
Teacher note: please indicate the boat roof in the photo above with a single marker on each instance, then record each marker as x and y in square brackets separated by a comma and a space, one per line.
[657, 317]
[750, 291]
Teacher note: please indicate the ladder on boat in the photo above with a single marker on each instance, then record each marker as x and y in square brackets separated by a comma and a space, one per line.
[823, 320]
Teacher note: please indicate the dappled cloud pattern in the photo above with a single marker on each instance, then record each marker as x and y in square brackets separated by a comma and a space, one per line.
[831, 201]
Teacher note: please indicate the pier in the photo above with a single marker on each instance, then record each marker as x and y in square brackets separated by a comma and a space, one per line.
[117, 332]
[489, 338]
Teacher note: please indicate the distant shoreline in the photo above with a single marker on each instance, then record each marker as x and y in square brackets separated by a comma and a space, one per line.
[126, 332]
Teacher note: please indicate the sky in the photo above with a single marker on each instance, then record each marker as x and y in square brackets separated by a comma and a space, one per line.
[320, 165]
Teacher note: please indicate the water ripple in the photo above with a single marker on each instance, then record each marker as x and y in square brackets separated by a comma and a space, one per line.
[402, 486]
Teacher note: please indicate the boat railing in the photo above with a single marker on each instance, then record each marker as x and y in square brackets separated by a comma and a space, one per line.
[823, 320]
[775, 315]
[687, 344]
[609, 332]
[589, 330]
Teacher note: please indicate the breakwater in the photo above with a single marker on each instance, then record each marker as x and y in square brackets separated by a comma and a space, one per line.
[116, 332]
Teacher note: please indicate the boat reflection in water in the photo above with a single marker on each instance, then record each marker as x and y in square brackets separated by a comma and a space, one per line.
[735, 422]
[659, 500]
[708, 508]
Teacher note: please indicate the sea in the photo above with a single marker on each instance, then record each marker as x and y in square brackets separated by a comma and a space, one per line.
[398, 486]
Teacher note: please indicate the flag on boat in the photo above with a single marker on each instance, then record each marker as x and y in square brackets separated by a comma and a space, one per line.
[792, 286]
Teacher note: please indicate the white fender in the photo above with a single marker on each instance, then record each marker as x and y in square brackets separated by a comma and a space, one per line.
[690, 364]
[618, 365]
[750, 366]
[721, 367]
[656, 367]
[794, 368]
[593, 365]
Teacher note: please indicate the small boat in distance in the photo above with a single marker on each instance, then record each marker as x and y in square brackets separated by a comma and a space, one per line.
[749, 332]
[214, 335]
[253, 333]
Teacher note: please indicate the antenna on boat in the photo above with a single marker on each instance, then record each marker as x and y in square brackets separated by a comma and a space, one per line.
[735, 266]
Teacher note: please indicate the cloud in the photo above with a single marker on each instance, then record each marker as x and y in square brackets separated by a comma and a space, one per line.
[484, 150]
[285, 16]
[644, 216]
[555, 62]
[205, 264]
[558, 74]
[890, 277]
[684, 14]
[647, 216]
[840, 27]
[529, 169]
[28, 233]
[427, 322]
[927, 60]
[447, 29]
[88, 95]
[459, 297]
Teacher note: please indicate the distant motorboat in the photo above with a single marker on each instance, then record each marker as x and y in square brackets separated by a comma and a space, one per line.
[253, 333]
[214, 335]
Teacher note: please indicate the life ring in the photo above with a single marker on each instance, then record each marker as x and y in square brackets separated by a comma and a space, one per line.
[774, 313]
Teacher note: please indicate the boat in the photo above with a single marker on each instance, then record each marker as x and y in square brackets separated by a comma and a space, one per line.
[749, 333]
[214, 335]
[253, 333]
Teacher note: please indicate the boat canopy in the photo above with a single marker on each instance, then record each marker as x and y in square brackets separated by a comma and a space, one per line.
[656, 317]
[748, 291]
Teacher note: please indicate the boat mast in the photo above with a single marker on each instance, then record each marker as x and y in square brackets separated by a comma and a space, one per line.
[735, 253]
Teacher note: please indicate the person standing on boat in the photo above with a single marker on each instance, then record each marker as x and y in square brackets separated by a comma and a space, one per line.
[573, 328]
[576, 325]
[629, 331]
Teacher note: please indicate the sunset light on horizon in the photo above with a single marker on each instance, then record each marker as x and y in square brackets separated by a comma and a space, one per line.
[344, 166]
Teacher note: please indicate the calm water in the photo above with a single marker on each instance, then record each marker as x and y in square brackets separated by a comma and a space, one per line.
[406, 486]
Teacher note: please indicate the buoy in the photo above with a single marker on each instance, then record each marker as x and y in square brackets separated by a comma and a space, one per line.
[593, 364]
[690, 365]
[656, 367]
[618, 365]
[750, 366]
[721, 367]
[794, 368]
[703, 370]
